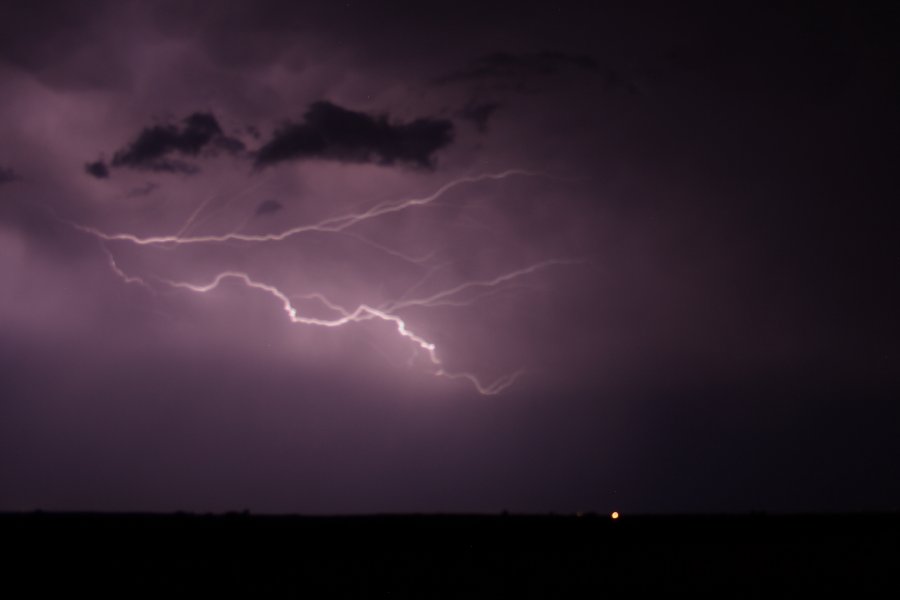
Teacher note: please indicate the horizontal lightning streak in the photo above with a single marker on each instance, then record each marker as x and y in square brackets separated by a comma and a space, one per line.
[331, 224]
[469, 301]
[434, 299]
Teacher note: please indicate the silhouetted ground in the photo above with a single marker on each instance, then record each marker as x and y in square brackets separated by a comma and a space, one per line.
[447, 556]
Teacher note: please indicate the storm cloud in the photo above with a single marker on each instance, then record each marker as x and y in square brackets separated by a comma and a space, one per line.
[97, 168]
[154, 146]
[331, 132]
[724, 339]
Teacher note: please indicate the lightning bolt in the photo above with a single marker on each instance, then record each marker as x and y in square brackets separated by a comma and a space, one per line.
[114, 266]
[331, 224]
[387, 312]
[362, 312]
[436, 299]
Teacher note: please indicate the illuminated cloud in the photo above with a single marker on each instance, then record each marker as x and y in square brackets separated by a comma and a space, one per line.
[728, 340]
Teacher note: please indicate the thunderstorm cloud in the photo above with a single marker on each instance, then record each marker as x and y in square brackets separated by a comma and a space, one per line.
[97, 168]
[154, 147]
[331, 132]
[712, 326]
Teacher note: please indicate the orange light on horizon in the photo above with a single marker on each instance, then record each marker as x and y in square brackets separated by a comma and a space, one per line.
[614, 515]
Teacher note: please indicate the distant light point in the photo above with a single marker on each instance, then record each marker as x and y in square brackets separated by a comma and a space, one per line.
[614, 515]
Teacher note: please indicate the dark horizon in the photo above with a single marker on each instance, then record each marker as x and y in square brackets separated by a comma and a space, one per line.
[452, 557]
[328, 258]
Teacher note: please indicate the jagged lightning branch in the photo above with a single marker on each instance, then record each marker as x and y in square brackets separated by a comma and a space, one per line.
[364, 312]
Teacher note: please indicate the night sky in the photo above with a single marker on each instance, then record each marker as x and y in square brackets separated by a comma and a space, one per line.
[354, 257]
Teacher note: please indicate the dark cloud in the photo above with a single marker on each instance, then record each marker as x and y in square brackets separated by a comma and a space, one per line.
[331, 132]
[479, 113]
[97, 169]
[505, 66]
[154, 146]
[7, 175]
[267, 207]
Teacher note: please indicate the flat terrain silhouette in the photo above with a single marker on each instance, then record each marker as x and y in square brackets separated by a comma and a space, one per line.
[449, 556]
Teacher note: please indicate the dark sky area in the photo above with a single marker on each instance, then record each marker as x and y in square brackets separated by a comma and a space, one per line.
[357, 257]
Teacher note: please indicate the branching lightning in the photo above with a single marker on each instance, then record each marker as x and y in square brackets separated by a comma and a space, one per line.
[362, 312]
[387, 312]
[331, 224]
